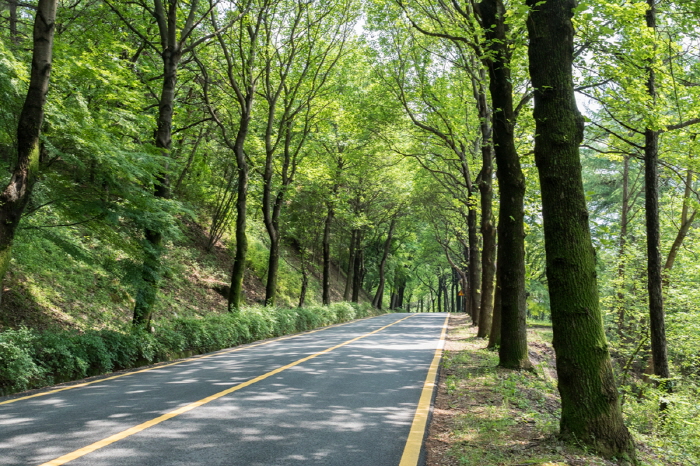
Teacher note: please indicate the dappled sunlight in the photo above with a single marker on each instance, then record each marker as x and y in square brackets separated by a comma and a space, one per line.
[345, 400]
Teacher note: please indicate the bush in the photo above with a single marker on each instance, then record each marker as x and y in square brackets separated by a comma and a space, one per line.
[18, 370]
[30, 360]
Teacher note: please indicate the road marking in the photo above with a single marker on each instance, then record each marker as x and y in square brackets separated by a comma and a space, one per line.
[189, 359]
[136, 429]
[411, 452]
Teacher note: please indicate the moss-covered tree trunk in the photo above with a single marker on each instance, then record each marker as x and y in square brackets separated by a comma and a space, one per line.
[16, 194]
[511, 182]
[590, 408]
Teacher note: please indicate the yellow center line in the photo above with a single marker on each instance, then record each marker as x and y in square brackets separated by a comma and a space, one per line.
[414, 443]
[136, 429]
[192, 358]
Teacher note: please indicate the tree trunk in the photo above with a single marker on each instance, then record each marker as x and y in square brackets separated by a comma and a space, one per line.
[12, 5]
[16, 195]
[511, 182]
[238, 269]
[488, 232]
[347, 293]
[654, 276]
[590, 407]
[379, 296]
[358, 266]
[146, 296]
[495, 336]
[474, 266]
[620, 295]
[327, 256]
[271, 218]
[304, 281]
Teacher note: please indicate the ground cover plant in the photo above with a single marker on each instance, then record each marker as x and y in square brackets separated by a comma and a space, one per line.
[491, 416]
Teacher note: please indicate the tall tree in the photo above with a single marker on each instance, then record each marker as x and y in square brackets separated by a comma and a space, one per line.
[379, 295]
[511, 185]
[16, 195]
[651, 211]
[305, 44]
[178, 24]
[590, 407]
[238, 75]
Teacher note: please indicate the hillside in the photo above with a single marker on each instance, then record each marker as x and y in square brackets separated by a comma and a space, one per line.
[75, 278]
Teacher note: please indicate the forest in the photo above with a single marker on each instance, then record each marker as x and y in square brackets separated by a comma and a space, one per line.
[183, 175]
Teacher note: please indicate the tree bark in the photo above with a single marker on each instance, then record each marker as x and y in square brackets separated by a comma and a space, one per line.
[590, 407]
[358, 267]
[511, 181]
[379, 295]
[495, 336]
[651, 203]
[17, 193]
[488, 231]
[474, 265]
[327, 256]
[347, 293]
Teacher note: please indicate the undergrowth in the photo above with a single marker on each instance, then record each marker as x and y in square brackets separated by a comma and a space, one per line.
[33, 359]
[502, 417]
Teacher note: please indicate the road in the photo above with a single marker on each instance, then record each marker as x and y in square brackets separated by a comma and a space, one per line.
[341, 396]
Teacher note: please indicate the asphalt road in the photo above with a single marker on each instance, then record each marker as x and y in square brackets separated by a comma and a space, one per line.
[350, 405]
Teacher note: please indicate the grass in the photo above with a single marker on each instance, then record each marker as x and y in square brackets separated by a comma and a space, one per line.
[489, 416]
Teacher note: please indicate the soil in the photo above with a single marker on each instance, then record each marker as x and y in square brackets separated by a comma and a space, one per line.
[471, 400]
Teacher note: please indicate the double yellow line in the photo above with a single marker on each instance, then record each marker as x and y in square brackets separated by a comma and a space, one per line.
[133, 430]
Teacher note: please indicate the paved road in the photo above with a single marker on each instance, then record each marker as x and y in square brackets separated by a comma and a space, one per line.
[350, 405]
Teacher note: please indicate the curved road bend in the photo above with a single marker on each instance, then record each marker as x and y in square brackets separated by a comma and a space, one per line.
[323, 404]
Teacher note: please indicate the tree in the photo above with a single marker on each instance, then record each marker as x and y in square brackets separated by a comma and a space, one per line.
[177, 23]
[238, 74]
[590, 406]
[511, 182]
[651, 189]
[15, 196]
[305, 44]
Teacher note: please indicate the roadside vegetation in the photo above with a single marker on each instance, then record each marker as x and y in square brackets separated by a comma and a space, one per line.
[32, 359]
[491, 416]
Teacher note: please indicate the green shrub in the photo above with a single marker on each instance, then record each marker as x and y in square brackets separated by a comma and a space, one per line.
[343, 311]
[18, 370]
[58, 355]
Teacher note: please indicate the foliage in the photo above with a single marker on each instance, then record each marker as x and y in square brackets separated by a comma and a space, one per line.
[31, 359]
